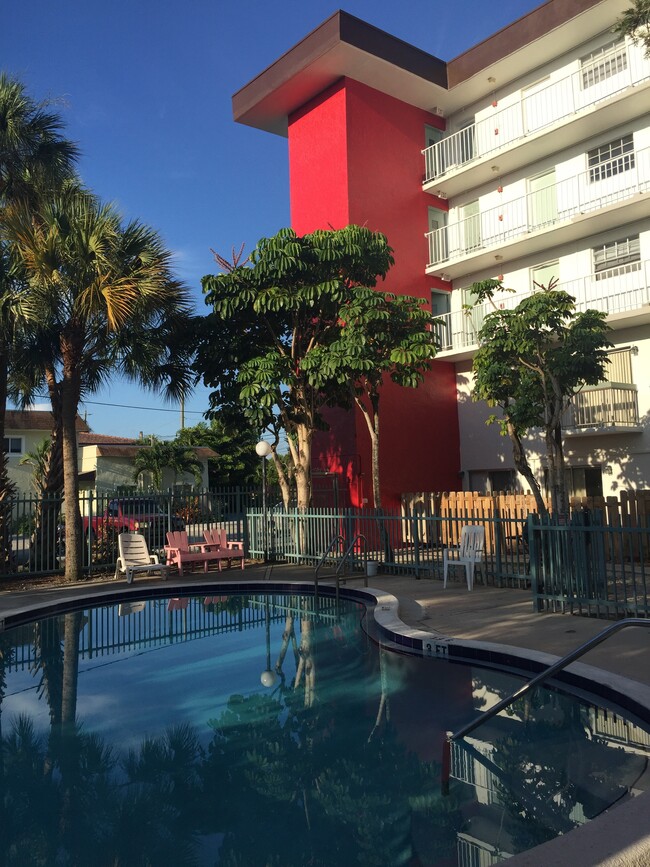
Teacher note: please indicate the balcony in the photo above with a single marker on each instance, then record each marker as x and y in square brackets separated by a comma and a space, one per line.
[543, 217]
[611, 408]
[621, 292]
[565, 109]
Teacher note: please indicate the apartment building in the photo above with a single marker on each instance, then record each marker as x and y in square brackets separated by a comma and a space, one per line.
[527, 159]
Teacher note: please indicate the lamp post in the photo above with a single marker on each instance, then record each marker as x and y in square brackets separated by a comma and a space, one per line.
[264, 449]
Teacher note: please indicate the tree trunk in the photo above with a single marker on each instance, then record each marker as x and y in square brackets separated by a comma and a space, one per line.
[73, 535]
[43, 545]
[523, 467]
[555, 457]
[303, 467]
[374, 446]
[7, 489]
[282, 480]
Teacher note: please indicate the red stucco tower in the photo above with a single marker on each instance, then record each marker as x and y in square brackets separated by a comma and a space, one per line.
[348, 97]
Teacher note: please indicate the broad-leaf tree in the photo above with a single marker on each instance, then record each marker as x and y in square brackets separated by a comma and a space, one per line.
[103, 296]
[635, 23]
[270, 316]
[531, 362]
[383, 336]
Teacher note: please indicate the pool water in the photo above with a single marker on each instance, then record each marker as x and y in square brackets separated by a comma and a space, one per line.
[270, 730]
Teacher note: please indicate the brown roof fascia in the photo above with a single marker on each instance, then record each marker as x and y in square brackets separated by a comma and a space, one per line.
[36, 419]
[386, 47]
[515, 36]
[340, 28]
[94, 439]
[126, 450]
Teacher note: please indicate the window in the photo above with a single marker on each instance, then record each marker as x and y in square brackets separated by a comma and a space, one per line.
[602, 64]
[542, 275]
[617, 257]
[431, 135]
[13, 445]
[442, 328]
[492, 481]
[619, 369]
[611, 159]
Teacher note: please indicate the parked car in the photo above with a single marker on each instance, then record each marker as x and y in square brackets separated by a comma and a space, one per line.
[134, 515]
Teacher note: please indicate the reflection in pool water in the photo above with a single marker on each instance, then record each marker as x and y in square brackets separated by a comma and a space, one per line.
[246, 730]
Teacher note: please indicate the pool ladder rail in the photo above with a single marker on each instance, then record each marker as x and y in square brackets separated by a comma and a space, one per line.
[344, 559]
[543, 676]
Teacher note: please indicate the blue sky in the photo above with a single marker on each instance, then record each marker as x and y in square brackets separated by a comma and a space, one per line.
[145, 90]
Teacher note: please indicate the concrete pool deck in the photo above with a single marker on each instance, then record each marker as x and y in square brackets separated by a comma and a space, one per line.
[494, 616]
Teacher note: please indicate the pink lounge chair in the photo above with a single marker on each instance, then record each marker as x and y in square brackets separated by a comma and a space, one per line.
[217, 539]
[179, 552]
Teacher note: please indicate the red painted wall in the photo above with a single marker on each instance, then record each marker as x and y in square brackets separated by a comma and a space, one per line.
[354, 157]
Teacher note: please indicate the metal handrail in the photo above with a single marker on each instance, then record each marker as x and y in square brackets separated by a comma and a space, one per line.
[330, 547]
[349, 550]
[359, 537]
[545, 675]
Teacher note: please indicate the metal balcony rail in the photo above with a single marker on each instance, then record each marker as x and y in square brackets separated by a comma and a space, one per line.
[617, 290]
[608, 183]
[603, 406]
[545, 675]
[624, 66]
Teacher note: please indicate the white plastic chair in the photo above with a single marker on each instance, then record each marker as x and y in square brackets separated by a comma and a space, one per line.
[134, 557]
[468, 554]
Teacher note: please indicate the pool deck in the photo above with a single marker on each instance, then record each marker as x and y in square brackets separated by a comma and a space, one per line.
[487, 615]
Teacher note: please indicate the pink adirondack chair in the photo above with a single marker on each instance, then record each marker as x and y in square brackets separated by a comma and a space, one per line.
[179, 552]
[217, 538]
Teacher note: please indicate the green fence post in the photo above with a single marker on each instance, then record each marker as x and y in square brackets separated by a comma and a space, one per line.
[533, 553]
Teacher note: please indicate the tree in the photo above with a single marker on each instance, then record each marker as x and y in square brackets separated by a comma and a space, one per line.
[160, 455]
[38, 460]
[269, 317]
[102, 298]
[635, 23]
[383, 336]
[236, 462]
[34, 157]
[531, 362]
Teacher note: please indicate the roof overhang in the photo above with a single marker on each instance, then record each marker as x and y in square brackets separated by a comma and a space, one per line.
[345, 46]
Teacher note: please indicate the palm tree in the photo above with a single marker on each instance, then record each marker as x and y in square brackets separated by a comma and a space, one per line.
[176, 456]
[38, 460]
[102, 298]
[34, 157]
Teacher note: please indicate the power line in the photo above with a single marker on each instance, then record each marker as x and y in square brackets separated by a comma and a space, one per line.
[148, 408]
[130, 406]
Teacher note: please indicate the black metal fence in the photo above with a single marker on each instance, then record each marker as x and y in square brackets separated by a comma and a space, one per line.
[37, 525]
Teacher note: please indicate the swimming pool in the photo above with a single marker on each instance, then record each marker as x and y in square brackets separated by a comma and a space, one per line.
[270, 729]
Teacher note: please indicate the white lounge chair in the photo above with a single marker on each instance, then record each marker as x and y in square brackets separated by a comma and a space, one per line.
[134, 557]
[468, 554]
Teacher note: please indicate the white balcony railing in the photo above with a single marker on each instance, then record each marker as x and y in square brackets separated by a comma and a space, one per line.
[614, 181]
[603, 406]
[618, 290]
[559, 100]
